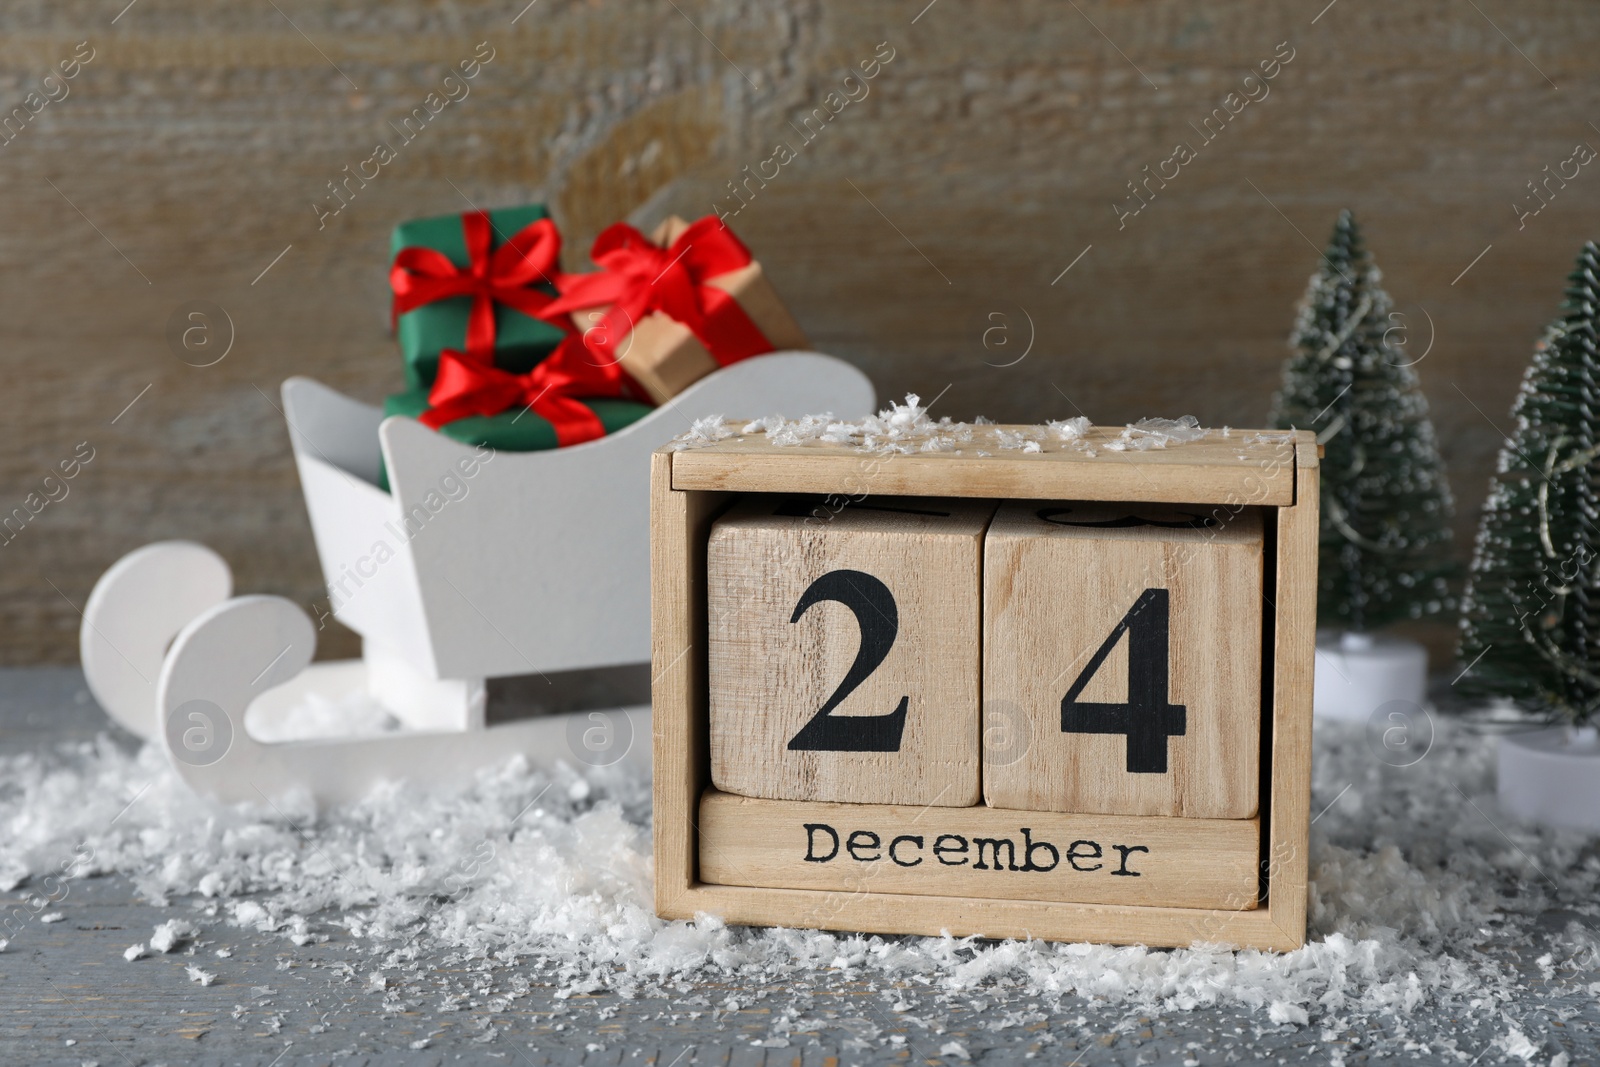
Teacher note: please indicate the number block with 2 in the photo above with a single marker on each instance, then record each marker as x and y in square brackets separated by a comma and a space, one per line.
[844, 649]
[1122, 659]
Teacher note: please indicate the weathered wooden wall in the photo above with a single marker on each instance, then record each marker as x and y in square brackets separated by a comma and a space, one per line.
[925, 225]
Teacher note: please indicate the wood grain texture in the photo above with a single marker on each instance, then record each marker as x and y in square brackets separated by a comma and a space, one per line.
[893, 578]
[986, 157]
[1241, 466]
[1055, 594]
[679, 526]
[1288, 860]
[979, 852]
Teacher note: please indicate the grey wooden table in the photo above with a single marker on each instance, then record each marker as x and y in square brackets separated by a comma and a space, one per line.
[68, 997]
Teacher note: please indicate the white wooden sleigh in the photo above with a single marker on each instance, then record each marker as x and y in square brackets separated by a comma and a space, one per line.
[468, 571]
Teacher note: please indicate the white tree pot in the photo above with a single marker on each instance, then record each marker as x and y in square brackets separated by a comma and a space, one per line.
[1552, 776]
[1358, 673]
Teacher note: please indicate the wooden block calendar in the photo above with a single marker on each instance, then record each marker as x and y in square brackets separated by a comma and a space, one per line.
[1143, 663]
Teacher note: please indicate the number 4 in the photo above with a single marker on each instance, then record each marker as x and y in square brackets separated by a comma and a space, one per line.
[1148, 718]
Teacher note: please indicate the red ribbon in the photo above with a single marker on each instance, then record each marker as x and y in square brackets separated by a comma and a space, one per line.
[465, 387]
[638, 277]
[423, 275]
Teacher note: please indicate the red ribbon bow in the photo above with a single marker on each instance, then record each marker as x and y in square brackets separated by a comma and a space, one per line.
[465, 387]
[638, 277]
[423, 275]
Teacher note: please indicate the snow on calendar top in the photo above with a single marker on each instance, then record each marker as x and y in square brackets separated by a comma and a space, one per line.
[908, 429]
[906, 451]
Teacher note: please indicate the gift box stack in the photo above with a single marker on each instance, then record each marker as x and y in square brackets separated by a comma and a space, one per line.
[503, 349]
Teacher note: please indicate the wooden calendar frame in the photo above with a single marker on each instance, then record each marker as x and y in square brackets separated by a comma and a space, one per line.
[1276, 471]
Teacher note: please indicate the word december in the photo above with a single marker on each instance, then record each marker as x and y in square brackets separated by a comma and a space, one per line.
[55, 489]
[455, 90]
[1581, 155]
[1184, 153]
[55, 91]
[784, 154]
[955, 850]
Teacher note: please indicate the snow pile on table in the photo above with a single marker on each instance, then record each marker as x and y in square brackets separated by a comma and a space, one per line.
[548, 878]
[354, 714]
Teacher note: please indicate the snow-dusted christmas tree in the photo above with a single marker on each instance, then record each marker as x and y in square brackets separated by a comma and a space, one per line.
[1385, 503]
[1530, 620]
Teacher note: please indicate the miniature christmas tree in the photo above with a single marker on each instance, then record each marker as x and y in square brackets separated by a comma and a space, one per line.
[1385, 503]
[1530, 621]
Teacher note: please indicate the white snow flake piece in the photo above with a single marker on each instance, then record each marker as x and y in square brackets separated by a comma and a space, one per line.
[172, 933]
[707, 430]
[900, 429]
[1516, 1043]
[1146, 434]
[52, 917]
[197, 975]
[1023, 440]
[135, 952]
[355, 714]
[956, 1049]
[1281, 1011]
[783, 432]
[1069, 429]
[250, 913]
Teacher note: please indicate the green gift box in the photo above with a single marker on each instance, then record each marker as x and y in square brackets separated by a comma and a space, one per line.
[520, 340]
[514, 430]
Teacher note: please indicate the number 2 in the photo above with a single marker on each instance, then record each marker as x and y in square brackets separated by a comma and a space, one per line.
[878, 619]
[1148, 718]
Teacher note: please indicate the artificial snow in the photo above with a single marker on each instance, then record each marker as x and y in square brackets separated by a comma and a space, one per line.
[897, 429]
[1069, 429]
[354, 714]
[706, 430]
[908, 429]
[171, 934]
[1146, 434]
[550, 874]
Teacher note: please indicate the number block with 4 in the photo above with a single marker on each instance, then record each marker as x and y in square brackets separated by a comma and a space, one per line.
[1122, 659]
[844, 649]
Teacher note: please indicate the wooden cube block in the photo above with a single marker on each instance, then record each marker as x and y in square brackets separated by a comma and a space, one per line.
[980, 853]
[844, 649]
[1122, 659]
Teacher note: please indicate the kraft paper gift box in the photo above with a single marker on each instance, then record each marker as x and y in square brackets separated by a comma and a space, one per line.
[664, 356]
